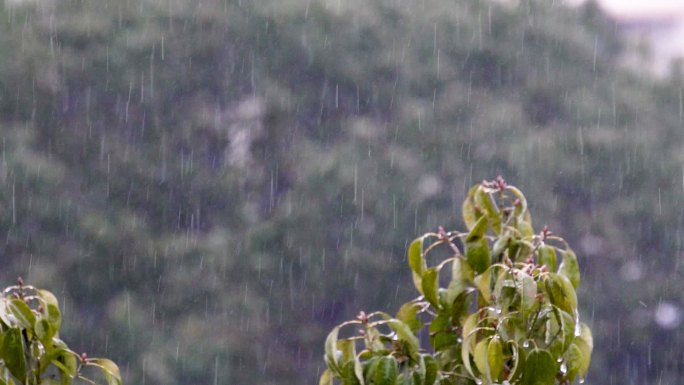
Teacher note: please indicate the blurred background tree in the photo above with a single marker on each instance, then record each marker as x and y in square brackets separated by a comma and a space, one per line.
[210, 186]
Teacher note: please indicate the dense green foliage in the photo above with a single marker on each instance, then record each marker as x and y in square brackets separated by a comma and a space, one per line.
[30, 348]
[508, 313]
[211, 185]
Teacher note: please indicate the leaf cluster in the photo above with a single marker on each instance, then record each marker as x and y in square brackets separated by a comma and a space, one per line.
[508, 314]
[31, 351]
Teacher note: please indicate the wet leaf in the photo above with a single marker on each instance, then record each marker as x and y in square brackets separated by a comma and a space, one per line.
[431, 369]
[484, 201]
[547, 257]
[585, 343]
[470, 215]
[540, 368]
[331, 349]
[326, 378]
[561, 292]
[109, 369]
[483, 284]
[417, 262]
[386, 372]
[429, 283]
[408, 314]
[495, 357]
[477, 255]
[405, 334]
[348, 350]
[570, 268]
[481, 358]
[22, 313]
[12, 352]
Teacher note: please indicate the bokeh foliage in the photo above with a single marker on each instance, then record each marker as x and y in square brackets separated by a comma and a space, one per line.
[213, 185]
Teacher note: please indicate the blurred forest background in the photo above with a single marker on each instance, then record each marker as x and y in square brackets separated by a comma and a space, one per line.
[211, 185]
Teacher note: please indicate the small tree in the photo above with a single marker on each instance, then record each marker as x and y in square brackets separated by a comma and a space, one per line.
[31, 351]
[507, 314]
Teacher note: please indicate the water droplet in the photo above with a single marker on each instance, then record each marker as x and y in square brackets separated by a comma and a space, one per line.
[478, 381]
[563, 368]
[559, 359]
[526, 344]
[581, 380]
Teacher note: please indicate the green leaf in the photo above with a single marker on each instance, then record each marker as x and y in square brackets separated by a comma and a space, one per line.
[561, 292]
[408, 314]
[478, 231]
[54, 316]
[45, 332]
[430, 285]
[441, 333]
[326, 378]
[348, 349]
[540, 368]
[348, 374]
[12, 352]
[527, 289]
[585, 343]
[331, 350]
[500, 245]
[495, 357]
[570, 268]
[22, 313]
[477, 255]
[468, 345]
[484, 201]
[48, 297]
[470, 215]
[386, 372]
[483, 284]
[520, 211]
[109, 368]
[461, 275]
[573, 359]
[405, 334]
[431, 369]
[481, 358]
[476, 248]
[547, 257]
[417, 263]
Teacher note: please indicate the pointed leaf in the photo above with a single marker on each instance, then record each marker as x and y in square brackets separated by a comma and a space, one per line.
[12, 352]
[561, 292]
[22, 313]
[326, 378]
[470, 215]
[570, 268]
[483, 284]
[585, 343]
[331, 349]
[429, 283]
[547, 257]
[417, 263]
[109, 368]
[495, 357]
[484, 201]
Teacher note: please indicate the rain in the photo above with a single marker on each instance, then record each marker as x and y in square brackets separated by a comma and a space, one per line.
[209, 187]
